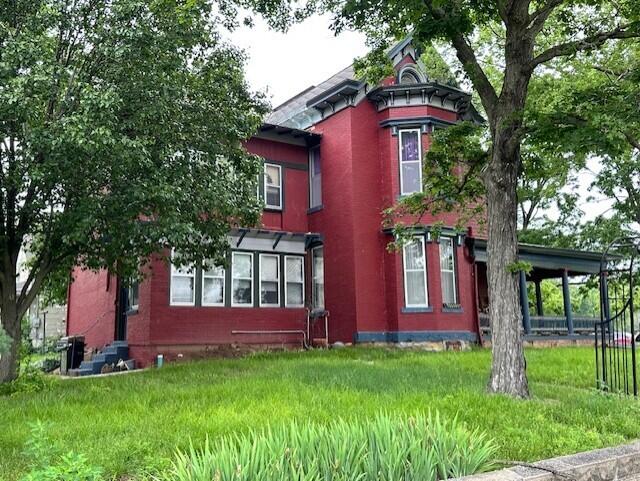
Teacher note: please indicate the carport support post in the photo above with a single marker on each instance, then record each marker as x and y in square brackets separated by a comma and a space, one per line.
[539, 308]
[567, 301]
[524, 303]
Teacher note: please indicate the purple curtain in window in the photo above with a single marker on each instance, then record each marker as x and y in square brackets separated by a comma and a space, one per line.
[410, 146]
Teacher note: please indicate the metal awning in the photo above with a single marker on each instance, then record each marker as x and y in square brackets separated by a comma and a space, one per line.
[275, 240]
[548, 262]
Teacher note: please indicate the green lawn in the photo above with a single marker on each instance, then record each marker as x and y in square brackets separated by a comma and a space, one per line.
[127, 423]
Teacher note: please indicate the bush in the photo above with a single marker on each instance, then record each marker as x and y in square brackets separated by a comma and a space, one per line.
[419, 448]
[30, 380]
[49, 465]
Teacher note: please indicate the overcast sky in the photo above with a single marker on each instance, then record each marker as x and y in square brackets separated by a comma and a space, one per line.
[285, 64]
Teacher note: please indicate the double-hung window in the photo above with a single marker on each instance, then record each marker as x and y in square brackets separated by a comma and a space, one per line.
[213, 286]
[415, 274]
[273, 186]
[317, 257]
[242, 279]
[269, 280]
[315, 178]
[294, 281]
[132, 295]
[183, 285]
[448, 272]
[410, 156]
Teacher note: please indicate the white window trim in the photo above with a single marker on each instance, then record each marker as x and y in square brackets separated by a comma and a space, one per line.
[224, 287]
[286, 281]
[400, 162]
[264, 185]
[453, 271]
[312, 176]
[233, 256]
[173, 274]
[277, 257]
[424, 272]
[313, 276]
[133, 307]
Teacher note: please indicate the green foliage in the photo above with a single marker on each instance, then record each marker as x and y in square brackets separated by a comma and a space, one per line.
[30, 380]
[518, 266]
[133, 424]
[48, 464]
[386, 448]
[122, 124]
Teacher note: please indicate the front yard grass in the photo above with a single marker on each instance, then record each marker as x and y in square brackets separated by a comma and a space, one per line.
[135, 422]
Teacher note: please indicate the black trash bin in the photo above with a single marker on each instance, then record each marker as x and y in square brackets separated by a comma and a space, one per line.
[71, 353]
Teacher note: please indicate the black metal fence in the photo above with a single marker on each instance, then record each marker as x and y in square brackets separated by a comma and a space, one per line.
[615, 335]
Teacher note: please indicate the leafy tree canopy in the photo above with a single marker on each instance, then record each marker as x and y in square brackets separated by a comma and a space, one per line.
[121, 126]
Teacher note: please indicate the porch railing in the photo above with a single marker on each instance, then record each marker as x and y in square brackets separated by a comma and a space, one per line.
[550, 325]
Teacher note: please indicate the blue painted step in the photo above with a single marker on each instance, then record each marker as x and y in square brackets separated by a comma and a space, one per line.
[109, 355]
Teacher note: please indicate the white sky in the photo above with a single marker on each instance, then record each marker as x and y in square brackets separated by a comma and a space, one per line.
[283, 64]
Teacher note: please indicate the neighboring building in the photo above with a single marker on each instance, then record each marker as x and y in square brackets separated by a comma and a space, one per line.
[335, 156]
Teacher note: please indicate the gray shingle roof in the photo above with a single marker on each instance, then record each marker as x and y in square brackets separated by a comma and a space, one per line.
[283, 114]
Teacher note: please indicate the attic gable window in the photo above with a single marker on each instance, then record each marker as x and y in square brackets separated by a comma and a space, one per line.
[408, 78]
[410, 156]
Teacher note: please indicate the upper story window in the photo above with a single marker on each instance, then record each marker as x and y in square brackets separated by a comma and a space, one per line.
[315, 178]
[410, 157]
[183, 285]
[415, 274]
[317, 279]
[273, 186]
[448, 271]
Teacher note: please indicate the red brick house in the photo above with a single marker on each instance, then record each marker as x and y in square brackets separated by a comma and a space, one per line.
[335, 156]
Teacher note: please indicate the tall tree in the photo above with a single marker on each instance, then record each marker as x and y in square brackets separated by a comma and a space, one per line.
[528, 34]
[121, 124]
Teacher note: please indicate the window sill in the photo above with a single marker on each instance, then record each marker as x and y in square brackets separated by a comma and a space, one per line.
[317, 208]
[452, 309]
[132, 312]
[416, 310]
[272, 209]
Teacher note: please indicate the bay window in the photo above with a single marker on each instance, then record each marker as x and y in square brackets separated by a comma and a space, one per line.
[183, 283]
[273, 186]
[410, 157]
[415, 274]
[317, 263]
[315, 178]
[293, 281]
[213, 286]
[269, 280]
[448, 272]
[241, 279]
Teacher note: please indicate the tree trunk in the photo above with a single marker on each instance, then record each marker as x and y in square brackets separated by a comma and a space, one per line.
[508, 370]
[11, 325]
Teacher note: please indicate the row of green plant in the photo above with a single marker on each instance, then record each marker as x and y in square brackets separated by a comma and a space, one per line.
[417, 448]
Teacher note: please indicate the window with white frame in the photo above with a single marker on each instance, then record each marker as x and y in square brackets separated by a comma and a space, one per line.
[213, 286]
[241, 279]
[410, 157]
[183, 284]
[273, 186]
[317, 257]
[269, 280]
[132, 295]
[315, 178]
[448, 271]
[294, 281]
[415, 274]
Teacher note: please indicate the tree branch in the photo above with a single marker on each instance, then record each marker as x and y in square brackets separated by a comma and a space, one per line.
[631, 30]
[538, 18]
[633, 140]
